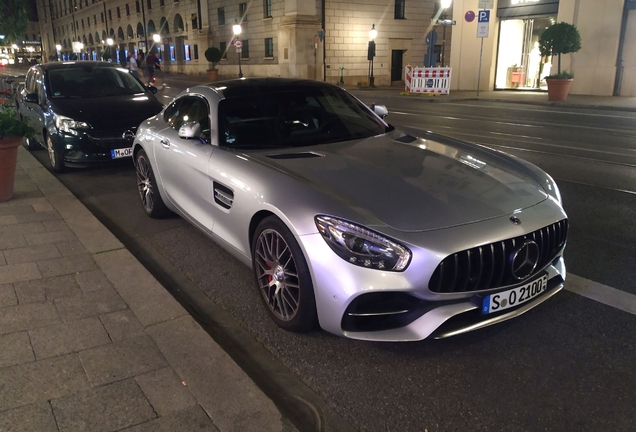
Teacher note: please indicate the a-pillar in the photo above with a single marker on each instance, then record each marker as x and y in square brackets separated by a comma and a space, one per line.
[297, 35]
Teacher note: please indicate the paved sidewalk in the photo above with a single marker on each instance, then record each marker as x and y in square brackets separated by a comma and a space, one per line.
[90, 341]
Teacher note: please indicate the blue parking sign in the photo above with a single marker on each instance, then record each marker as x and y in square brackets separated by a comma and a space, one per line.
[483, 16]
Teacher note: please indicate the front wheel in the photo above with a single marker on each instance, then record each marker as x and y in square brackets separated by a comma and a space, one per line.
[147, 186]
[57, 163]
[283, 277]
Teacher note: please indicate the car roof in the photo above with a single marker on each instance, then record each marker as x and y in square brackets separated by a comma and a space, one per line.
[255, 86]
[73, 64]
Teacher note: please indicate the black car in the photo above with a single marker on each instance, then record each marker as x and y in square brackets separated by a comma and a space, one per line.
[84, 112]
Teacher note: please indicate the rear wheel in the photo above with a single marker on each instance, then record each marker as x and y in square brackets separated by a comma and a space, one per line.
[147, 186]
[283, 277]
[57, 163]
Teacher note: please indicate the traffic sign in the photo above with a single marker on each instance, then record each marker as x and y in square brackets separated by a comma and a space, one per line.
[482, 29]
[484, 16]
[238, 44]
[486, 4]
[469, 16]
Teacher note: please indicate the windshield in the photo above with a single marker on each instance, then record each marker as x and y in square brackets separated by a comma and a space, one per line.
[295, 118]
[87, 81]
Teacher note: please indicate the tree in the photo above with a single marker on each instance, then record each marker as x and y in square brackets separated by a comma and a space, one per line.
[14, 18]
[561, 38]
[213, 55]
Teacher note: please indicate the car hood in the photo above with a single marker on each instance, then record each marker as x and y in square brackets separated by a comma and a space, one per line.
[414, 184]
[112, 112]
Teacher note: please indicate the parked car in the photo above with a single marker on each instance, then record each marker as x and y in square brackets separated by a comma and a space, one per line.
[85, 112]
[348, 223]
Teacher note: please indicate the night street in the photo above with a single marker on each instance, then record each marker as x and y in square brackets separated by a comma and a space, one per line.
[566, 365]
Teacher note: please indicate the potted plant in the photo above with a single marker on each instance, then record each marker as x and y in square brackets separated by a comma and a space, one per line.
[213, 55]
[561, 38]
[12, 131]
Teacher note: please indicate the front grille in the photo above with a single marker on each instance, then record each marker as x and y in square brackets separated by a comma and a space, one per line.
[112, 139]
[489, 266]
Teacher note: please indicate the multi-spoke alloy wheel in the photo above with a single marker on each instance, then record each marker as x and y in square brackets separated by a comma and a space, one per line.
[147, 188]
[277, 275]
[283, 277]
[57, 164]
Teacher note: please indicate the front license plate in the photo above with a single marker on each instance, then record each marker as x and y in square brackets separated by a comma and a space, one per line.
[514, 297]
[120, 153]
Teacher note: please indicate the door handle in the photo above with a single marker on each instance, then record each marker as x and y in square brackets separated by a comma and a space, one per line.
[165, 143]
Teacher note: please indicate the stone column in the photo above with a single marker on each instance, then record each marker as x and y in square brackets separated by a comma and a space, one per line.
[296, 37]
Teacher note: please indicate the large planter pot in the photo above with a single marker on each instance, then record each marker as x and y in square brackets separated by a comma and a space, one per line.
[8, 161]
[558, 89]
[213, 75]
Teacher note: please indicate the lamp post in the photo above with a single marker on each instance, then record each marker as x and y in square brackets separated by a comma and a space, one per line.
[373, 33]
[445, 4]
[236, 28]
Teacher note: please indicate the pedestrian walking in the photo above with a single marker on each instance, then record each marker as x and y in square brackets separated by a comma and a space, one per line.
[151, 63]
[131, 64]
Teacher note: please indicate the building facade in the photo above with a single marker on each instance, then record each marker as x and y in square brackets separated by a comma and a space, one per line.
[510, 59]
[315, 39]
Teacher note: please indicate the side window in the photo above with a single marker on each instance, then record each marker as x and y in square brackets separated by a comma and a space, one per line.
[192, 109]
[171, 111]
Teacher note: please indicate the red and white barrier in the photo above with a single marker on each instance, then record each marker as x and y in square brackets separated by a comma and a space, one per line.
[427, 80]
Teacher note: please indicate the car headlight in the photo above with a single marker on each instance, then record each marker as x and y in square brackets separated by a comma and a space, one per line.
[361, 246]
[70, 126]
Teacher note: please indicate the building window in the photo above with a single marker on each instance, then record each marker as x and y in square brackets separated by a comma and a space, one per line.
[82, 22]
[196, 51]
[267, 8]
[137, 6]
[223, 49]
[221, 13]
[127, 10]
[269, 47]
[110, 14]
[95, 19]
[102, 16]
[173, 53]
[118, 12]
[399, 9]
[161, 2]
[245, 49]
[149, 4]
[186, 52]
[243, 11]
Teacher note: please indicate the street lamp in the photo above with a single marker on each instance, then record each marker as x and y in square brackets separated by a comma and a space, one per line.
[236, 28]
[156, 38]
[373, 33]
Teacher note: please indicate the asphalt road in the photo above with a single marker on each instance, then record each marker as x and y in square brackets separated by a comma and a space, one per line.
[567, 365]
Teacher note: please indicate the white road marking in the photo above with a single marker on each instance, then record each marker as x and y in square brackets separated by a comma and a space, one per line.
[577, 113]
[601, 293]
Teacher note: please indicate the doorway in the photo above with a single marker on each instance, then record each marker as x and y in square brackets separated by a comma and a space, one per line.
[397, 68]
[519, 62]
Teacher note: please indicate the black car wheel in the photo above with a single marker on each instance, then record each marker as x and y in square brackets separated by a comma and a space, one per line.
[147, 186]
[57, 163]
[30, 144]
[283, 277]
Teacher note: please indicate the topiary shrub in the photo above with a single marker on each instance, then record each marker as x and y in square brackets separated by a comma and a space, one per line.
[561, 38]
[213, 55]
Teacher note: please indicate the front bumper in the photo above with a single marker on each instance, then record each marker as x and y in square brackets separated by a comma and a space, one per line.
[411, 311]
[83, 150]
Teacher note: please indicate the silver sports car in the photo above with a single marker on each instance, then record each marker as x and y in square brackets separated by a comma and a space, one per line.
[348, 223]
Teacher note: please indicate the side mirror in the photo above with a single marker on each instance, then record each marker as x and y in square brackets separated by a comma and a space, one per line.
[152, 89]
[380, 110]
[190, 130]
[32, 98]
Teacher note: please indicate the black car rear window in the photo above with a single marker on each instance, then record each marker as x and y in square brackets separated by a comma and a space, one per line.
[295, 118]
[87, 81]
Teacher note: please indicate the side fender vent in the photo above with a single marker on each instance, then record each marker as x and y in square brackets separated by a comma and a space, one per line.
[223, 196]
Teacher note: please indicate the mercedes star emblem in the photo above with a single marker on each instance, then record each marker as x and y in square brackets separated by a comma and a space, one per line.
[128, 135]
[515, 220]
[524, 260]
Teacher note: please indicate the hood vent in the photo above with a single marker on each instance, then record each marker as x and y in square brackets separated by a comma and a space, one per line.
[407, 139]
[303, 155]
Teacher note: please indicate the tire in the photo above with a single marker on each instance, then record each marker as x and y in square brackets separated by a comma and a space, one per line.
[57, 163]
[30, 144]
[282, 277]
[149, 196]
